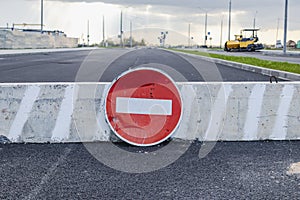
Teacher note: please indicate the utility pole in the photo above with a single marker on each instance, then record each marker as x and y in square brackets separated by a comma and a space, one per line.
[285, 26]
[130, 33]
[189, 35]
[229, 20]
[205, 29]
[121, 30]
[42, 15]
[254, 20]
[88, 33]
[221, 37]
[103, 29]
[277, 31]
[205, 25]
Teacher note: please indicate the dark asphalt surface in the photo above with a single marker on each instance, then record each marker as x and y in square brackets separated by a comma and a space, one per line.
[63, 66]
[41, 67]
[232, 170]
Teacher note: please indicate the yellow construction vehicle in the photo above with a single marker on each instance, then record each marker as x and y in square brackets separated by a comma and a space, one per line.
[244, 43]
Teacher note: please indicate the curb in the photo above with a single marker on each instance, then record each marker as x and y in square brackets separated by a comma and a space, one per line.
[260, 70]
[288, 54]
[11, 52]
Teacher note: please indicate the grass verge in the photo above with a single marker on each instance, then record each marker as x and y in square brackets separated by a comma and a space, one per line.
[283, 66]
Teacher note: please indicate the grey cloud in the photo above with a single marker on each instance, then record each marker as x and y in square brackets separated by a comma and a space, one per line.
[267, 10]
[206, 4]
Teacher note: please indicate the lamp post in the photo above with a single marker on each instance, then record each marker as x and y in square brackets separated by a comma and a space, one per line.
[131, 18]
[42, 15]
[229, 20]
[121, 29]
[189, 35]
[121, 25]
[277, 32]
[130, 33]
[88, 32]
[221, 36]
[205, 29]
[205, 25]
[254, 20]
[285, 26]
[103, 31]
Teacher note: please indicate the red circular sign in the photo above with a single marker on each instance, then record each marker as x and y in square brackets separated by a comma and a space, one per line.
[143, 107]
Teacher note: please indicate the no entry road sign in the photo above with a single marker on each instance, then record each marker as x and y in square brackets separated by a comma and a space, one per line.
[143, 107]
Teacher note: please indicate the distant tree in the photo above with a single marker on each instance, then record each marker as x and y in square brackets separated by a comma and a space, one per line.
[127, 42]
[110, 43]
[143, 43]
[134, 42]
[291, 44]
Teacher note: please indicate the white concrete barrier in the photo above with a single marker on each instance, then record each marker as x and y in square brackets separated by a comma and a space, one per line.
[74, 112]
[32, 40]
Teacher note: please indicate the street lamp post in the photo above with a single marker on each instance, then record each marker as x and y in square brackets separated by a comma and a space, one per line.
[103, 31]
[130, 33]
[189, 35]
[277, 32]
[88, 33]
[42, 15]
[229, 20]
[205, 25]
[221, 36]
[205, 29]
[285, 26]
[121, 29]
[254, 20]
[131, 20]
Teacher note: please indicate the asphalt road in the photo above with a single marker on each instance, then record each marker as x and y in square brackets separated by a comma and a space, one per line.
[65, 66]
[232, 170]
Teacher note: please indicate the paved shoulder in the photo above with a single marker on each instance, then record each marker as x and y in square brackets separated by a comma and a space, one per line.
[233, 170]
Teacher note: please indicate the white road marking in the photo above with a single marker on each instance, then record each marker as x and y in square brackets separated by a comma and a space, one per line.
[254, 108]
[61, 130]
[216, 123]
[144, 106]
[280, 127]
[31, 94]
[218, 113]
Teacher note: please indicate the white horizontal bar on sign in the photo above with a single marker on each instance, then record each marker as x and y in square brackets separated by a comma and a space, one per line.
[144, 106]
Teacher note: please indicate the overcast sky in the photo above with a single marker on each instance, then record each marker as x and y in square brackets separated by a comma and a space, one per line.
[149, 17]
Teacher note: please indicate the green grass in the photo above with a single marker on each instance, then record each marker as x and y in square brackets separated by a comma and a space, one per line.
[283, 66]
